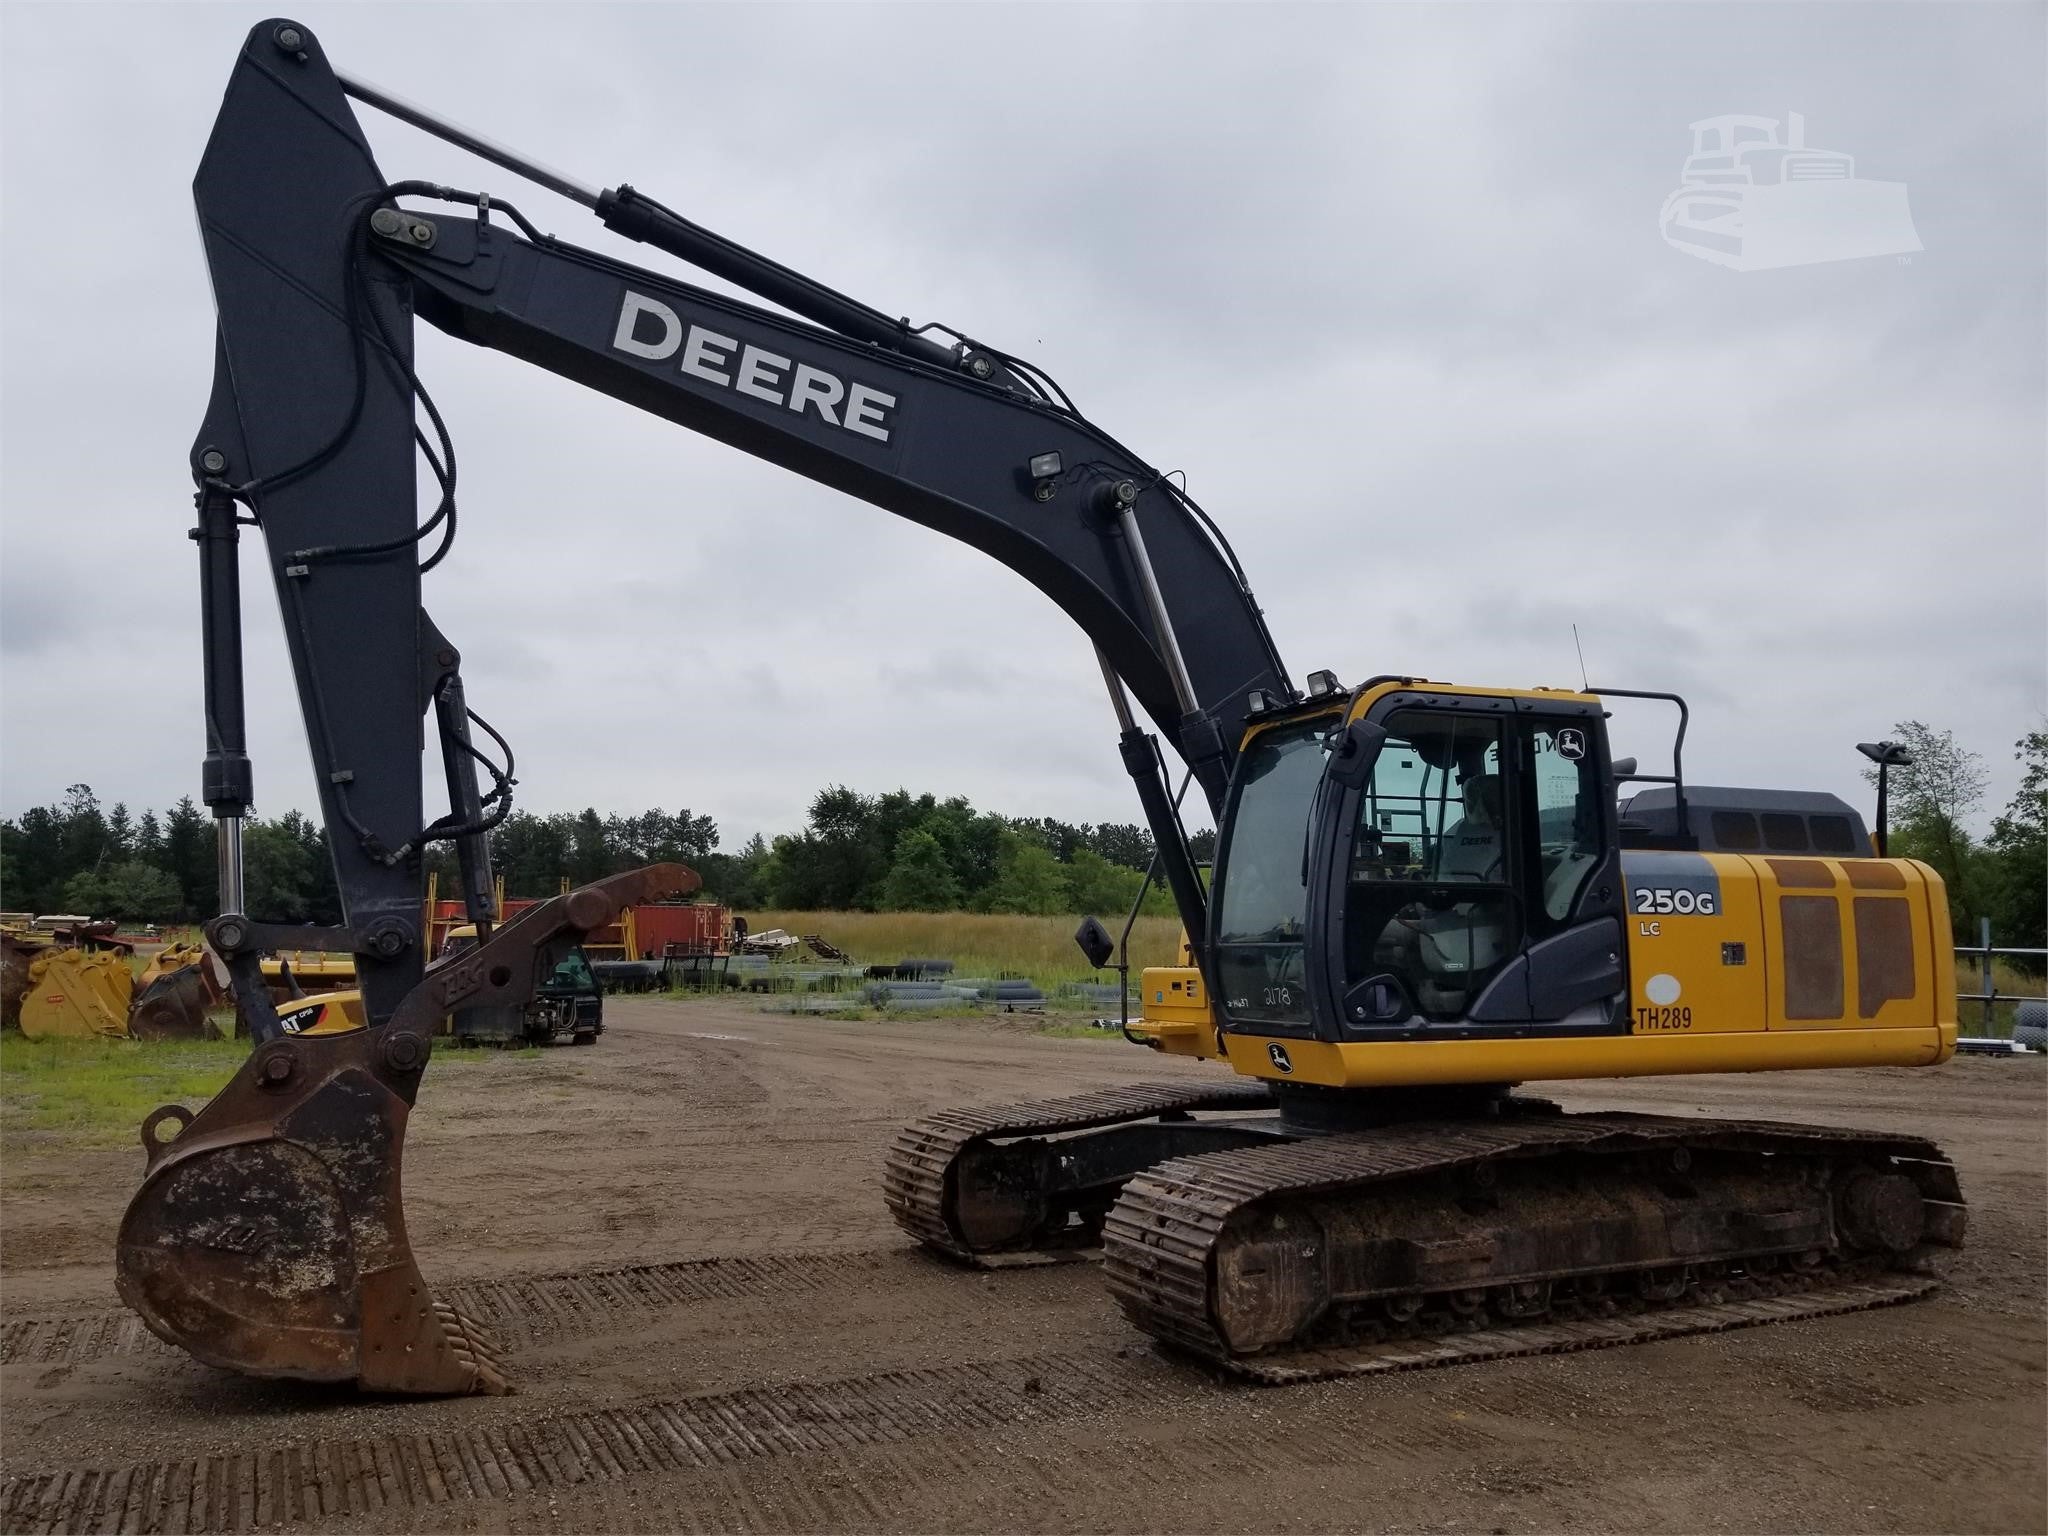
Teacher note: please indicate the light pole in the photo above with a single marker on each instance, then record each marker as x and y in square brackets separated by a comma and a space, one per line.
[1887, 755]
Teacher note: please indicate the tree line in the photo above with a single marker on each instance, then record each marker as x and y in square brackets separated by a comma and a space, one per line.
[894, 851]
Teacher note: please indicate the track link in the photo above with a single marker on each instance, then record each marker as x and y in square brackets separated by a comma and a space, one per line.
[1218, 1254]
[920, 1176]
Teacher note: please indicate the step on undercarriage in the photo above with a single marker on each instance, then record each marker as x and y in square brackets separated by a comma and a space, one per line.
[1284, 1250]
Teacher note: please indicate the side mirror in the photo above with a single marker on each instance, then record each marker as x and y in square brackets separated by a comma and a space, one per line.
[1354, 752]
[1623, 768]
[1095, 942]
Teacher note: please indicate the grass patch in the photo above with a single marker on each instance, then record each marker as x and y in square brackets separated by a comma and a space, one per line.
[978, 943]
[1067, 1029]
[96, 1092]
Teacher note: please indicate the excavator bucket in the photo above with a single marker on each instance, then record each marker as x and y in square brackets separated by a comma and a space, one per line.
[173, 994]
[17, 952]
[76, 993]
[268, 1236]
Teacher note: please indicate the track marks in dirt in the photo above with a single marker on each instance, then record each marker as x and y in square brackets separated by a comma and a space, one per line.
[316, 1481]
[519, 1309]
[594, 1301]
[77, 1339]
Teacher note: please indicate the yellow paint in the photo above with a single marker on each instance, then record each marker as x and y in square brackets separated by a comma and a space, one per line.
[1714, 997]
[1411, 1063]
[327, 1013]
[1419, 685]
[1176, 1010]
[312, 968]
[172, 957]
[1424, 686]
[73, 992]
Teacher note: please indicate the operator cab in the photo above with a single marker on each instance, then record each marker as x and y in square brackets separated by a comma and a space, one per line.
[1440, 862]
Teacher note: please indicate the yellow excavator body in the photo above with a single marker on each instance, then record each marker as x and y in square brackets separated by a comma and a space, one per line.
[1737, 963]
[1806, 962]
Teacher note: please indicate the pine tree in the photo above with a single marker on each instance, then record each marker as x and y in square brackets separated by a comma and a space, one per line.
[189, 856]
[149, 840]
[277, 873]
[120, 832]
[85, 830]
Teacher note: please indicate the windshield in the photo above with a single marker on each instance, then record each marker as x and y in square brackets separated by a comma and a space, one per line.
[1262, 905]
[573, 972]
[1265, 894]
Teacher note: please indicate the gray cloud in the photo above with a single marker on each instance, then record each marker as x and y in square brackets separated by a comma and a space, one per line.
[1385, 281]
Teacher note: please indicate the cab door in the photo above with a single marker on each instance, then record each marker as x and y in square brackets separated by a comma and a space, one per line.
[1468, 882]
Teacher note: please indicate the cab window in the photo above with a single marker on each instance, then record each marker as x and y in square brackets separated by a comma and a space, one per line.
[1430, 899]
[1568, 833]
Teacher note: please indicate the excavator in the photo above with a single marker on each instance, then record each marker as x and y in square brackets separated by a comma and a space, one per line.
[1424, 896]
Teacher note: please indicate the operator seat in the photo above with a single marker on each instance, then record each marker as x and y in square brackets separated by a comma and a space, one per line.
[1472, 850]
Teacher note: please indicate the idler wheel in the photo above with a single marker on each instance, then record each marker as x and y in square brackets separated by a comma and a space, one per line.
[1882, 1210]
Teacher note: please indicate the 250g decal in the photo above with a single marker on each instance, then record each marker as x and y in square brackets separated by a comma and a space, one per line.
[1665, 899]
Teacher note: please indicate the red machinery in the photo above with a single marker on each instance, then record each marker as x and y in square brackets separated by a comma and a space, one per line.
[643, 932]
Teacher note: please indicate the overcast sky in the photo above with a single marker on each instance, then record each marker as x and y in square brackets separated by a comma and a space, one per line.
[1386, 281]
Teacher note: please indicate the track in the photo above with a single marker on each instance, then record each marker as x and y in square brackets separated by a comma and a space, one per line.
[1181, 1230]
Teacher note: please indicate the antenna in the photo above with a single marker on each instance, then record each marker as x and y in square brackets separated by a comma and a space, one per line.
[1584, 685]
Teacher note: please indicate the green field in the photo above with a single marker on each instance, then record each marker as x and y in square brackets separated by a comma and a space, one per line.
[95, 1093]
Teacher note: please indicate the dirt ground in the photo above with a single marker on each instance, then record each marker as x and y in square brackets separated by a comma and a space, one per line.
[715, 1326]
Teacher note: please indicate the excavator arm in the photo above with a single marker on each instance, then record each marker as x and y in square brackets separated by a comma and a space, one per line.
[267, 1236]
[318, 270]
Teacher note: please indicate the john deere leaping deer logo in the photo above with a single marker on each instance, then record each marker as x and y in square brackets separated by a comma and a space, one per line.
[1754, 197]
